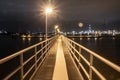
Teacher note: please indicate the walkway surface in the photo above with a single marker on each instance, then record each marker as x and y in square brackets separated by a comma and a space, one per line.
[58, 65]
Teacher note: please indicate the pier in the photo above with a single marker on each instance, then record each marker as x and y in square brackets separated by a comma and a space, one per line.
[57, 58]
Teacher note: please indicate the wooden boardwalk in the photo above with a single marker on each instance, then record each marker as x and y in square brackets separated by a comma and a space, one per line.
[58, 65]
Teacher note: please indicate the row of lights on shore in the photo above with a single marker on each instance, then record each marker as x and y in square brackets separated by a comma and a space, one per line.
[26, 36]
[29, 38]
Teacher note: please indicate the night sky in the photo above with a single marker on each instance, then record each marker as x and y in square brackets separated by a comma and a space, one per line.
[26, 15]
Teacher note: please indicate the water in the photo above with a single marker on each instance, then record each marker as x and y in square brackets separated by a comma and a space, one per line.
[108, 47]
[10, 45]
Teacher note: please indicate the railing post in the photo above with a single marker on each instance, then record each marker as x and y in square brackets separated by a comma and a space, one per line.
[71, 46]
[66, 42]
[51, 42]
[21, 63]
[90, 69]
[74, 48]
[41, 48]
[35, 57]
[68, 45]
[79, 58]
[46, 46]
[43, 44]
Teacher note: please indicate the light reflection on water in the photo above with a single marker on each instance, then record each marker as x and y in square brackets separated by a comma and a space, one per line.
[88, 38]
[40, 39]
[81, 39]
[29, 39]
[23, 39]
[95, 39]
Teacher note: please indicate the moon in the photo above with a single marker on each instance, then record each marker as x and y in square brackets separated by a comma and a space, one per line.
[80, 24]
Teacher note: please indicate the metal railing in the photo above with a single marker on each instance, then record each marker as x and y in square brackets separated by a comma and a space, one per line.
[27, 65]
[86, 65]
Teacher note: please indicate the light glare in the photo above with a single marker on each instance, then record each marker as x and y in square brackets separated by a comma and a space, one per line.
[48, 10]
[56, 26]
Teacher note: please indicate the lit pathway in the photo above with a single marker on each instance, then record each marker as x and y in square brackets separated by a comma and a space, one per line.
[58, 64]
[60, 70]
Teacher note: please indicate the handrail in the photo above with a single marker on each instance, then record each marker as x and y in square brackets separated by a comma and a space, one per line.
[20, 52]
[45, 46]
[72, 49]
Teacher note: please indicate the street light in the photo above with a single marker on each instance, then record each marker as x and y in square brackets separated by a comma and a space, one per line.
[47, 11]
[56, 27]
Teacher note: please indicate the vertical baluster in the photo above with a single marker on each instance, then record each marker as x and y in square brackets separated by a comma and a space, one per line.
[71, 46]
[90, 69]
[74, 49]
[67, 43]
[35, 57]
[46, 46]
[50, 44]
[79, 58]
[21, 63]
[42, 51]
[42, 48]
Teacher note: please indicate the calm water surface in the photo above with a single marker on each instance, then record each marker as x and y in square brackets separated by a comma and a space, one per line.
[108, 47]
[10, 45]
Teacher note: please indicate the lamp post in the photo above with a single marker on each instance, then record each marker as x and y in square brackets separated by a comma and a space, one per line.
[56, 27]
[47, 11]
